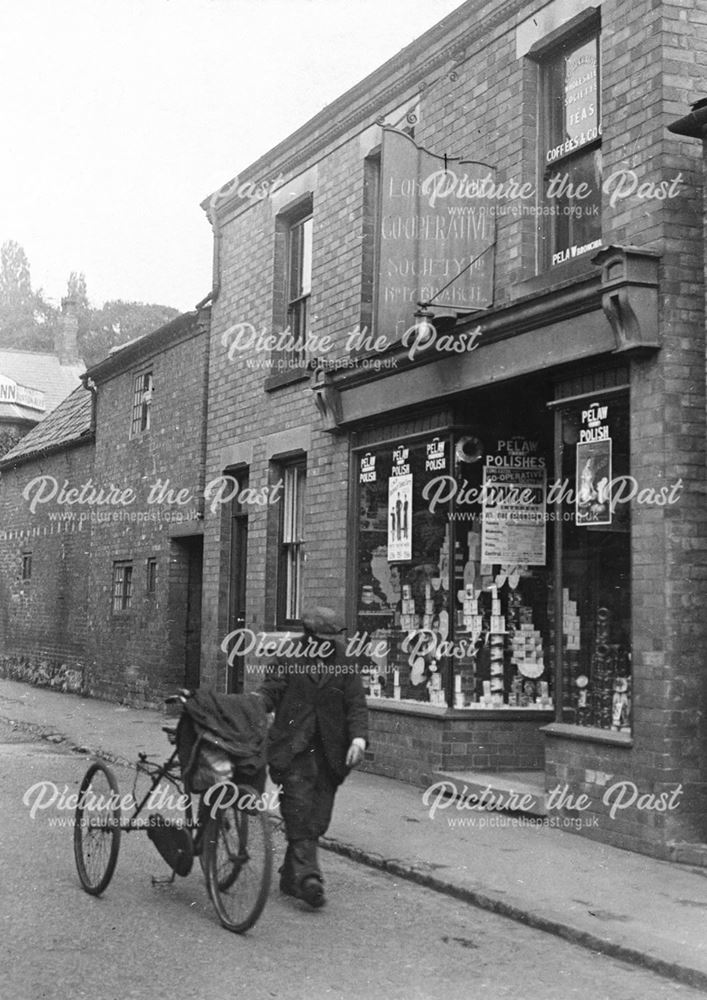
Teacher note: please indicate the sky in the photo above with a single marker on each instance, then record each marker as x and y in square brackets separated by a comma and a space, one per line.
[120, 116]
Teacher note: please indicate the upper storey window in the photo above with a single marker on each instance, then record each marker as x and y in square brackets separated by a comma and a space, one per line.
[571, 150]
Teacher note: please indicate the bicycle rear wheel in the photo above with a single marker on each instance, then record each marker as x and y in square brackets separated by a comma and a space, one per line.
[97, 828]
[238, 862]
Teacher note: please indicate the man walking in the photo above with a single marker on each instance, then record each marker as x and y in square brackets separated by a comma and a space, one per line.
[319, 733]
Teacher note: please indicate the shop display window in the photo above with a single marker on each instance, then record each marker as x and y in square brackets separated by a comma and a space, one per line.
[453, 582]
[595, 597]
[403, 581]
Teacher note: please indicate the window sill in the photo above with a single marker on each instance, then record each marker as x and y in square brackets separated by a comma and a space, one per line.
[588, 734]
[555, 277]
[423, 708]
[283, 379]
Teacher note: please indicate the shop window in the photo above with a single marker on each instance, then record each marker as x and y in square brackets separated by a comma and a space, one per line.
[570, 152]
[291, 544]
[151, 576]
[594, 604]
[26, 566]
[452, 568]
[122, 586]
[142, 403]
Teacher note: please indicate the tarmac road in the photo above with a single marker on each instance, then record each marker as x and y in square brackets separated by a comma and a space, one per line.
[377, 937]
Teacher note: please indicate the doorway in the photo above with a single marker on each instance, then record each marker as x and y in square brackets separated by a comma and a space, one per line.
[238, 574]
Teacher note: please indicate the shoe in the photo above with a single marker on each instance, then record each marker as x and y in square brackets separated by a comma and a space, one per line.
[312, 891]
[289, 888]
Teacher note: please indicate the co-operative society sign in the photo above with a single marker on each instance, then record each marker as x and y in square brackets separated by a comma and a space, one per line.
[436, 234]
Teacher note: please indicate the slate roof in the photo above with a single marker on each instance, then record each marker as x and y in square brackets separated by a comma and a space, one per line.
[69, 423]
[38, 371]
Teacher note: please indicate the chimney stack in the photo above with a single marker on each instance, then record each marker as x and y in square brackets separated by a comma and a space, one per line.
[67, 340]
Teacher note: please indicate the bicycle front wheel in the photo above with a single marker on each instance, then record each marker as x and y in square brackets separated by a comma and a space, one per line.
[238, 862]
[97, 828]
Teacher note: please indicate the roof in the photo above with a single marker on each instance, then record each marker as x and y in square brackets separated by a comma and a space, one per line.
[42, 372]
[185, 325]
[69, 424]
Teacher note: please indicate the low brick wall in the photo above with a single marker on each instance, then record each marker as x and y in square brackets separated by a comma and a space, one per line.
[412, 744]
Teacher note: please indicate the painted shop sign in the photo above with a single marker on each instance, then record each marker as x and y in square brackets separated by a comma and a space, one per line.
[13, 392]
[431, 229]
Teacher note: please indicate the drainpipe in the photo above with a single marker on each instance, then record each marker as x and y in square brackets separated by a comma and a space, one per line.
[90, 386]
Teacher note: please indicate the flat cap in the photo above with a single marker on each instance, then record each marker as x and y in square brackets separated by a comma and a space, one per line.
[322, 621]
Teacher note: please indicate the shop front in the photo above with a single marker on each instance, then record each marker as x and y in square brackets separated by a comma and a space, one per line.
[492, 584]
[491, 535]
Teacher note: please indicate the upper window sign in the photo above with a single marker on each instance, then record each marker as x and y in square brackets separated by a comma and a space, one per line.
[571, 154]
[574, 101]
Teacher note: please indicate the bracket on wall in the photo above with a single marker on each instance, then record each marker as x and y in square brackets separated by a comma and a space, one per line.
[327, 399]
[629, 279]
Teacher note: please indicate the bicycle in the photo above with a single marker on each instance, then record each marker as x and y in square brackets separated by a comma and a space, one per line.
[232, 839]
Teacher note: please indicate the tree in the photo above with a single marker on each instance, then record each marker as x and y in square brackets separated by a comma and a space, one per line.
[15, 283]
[118, 322]
[29, 322]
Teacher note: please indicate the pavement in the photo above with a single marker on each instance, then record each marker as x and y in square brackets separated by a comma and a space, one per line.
[648, 912]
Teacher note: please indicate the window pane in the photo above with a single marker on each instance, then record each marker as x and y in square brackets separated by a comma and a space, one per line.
[573, 195]
[300, 263]
[295, 262]
[581, 93]
[306, 265]
[292, 542]
[299, 504]
[596, 577]
[572, 83]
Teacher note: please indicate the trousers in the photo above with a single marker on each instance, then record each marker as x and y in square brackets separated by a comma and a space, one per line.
[308, 788]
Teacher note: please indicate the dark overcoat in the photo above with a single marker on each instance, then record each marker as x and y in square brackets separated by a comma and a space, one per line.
[331, 701]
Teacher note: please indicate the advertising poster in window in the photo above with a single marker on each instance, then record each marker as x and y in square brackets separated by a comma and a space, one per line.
[593, 471]
[513, 524]
[400, 518]
[513, 527]
[593, 489]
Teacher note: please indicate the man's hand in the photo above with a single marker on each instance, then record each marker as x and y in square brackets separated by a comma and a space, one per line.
[355, 753]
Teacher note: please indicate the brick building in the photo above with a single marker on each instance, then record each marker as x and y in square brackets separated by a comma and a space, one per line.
[483, 438]
[100, 542]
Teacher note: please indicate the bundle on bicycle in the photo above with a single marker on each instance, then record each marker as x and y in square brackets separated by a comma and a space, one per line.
[217, 773]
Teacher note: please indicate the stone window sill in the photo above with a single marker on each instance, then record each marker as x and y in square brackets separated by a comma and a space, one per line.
[588, 734]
